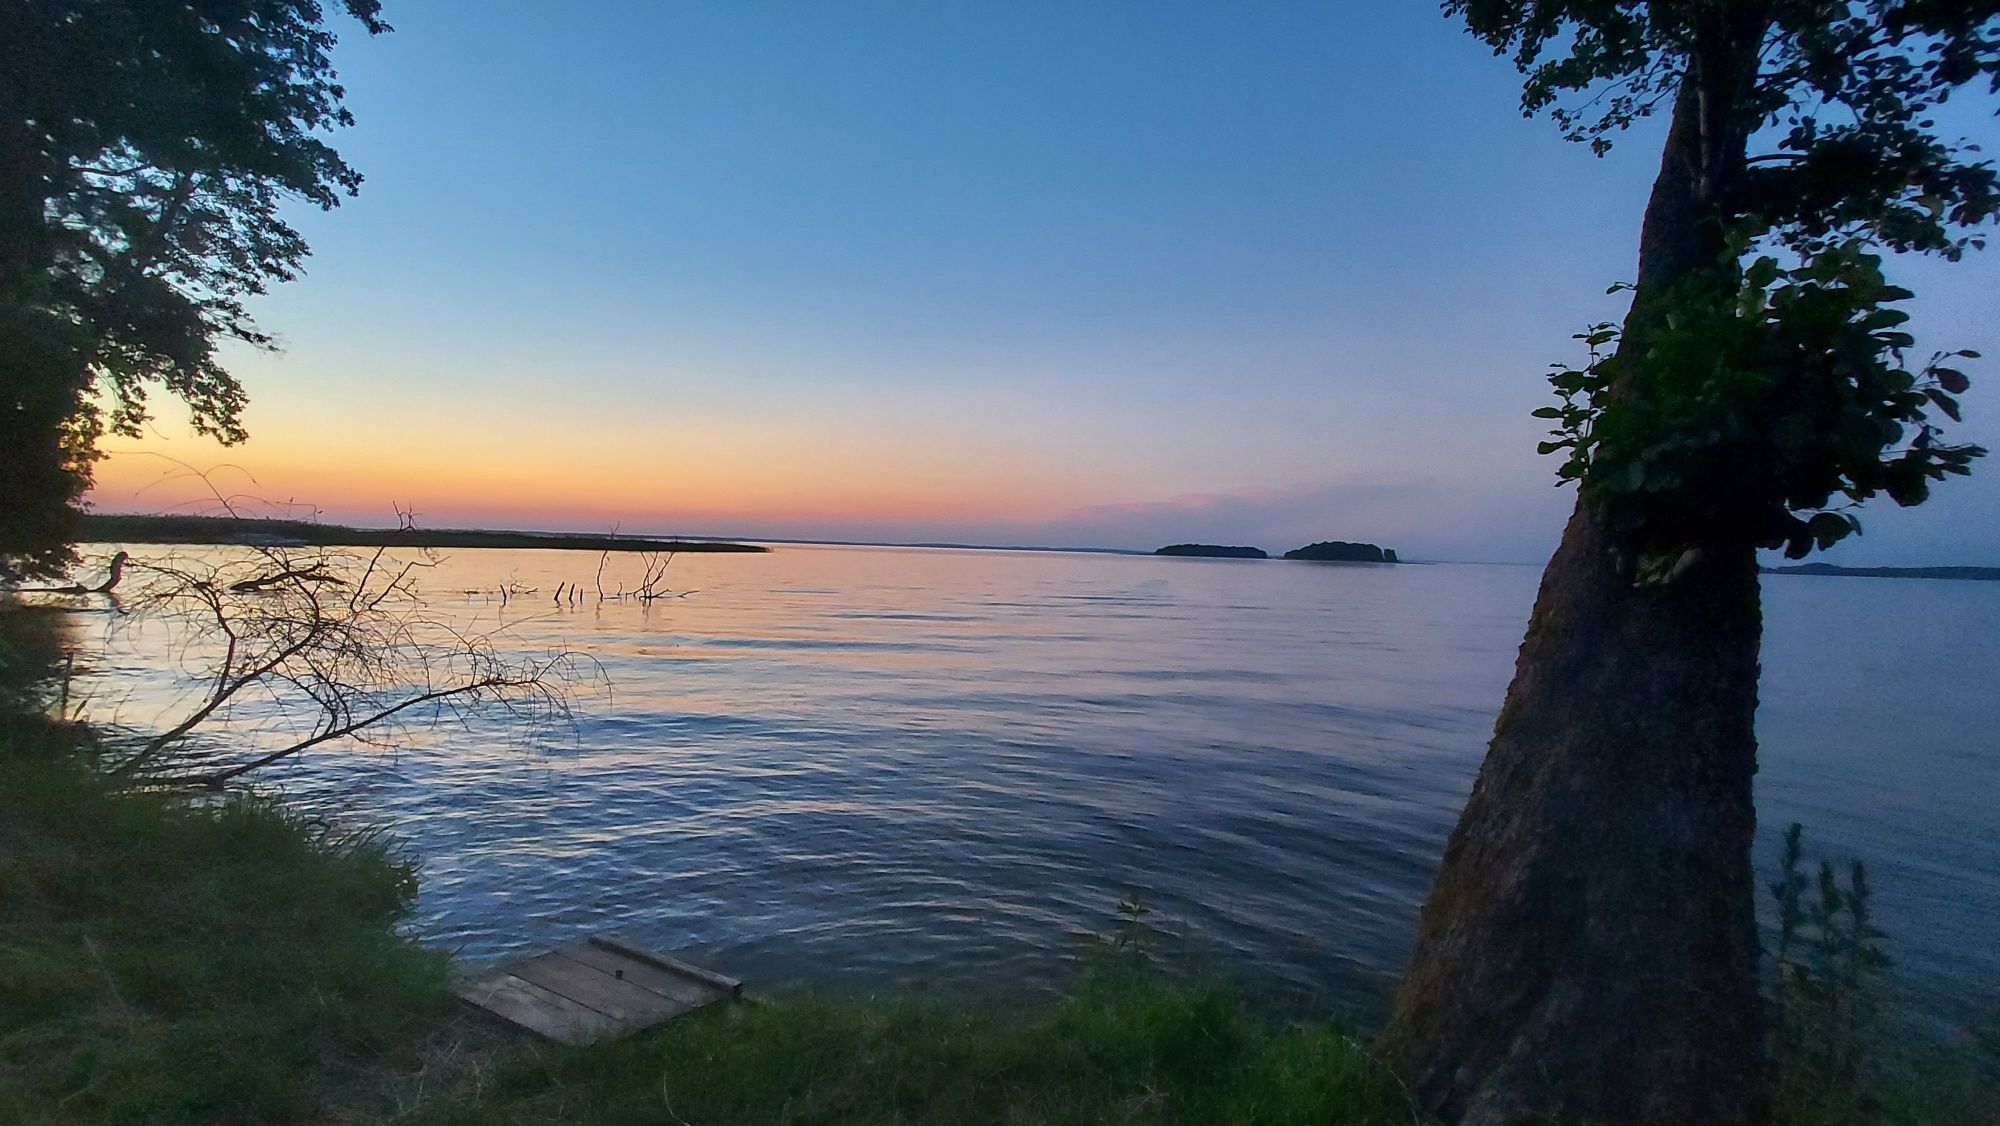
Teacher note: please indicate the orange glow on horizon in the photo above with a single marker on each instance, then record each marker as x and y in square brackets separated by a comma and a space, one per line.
[701, 487]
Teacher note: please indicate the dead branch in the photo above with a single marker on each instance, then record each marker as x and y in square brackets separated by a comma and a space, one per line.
[653, 575]
[110, 583]
[490, 684]
[316, 573]
[295, 648]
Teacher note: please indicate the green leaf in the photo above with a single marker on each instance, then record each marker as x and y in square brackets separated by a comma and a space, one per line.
[1945, 403]
[1952, 380]
[1884, 318]
[1829, 528]
[1908, 489]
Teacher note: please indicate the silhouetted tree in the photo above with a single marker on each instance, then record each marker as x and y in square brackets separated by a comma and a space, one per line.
[146, 147]
[1589, 948]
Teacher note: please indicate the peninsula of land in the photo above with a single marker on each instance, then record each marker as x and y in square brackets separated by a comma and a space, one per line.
[109, 528]
[1980, 574]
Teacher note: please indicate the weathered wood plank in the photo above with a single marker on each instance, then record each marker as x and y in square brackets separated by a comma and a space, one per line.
[682, 990]
[538, 1010]
[595, 989]
[627, 1002]
[728, 985]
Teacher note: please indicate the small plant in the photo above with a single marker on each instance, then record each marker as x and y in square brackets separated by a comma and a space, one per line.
[1131, 941]
[1826, 964]
[1134, 932]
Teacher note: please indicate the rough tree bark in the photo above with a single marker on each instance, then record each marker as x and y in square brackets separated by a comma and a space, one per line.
[1589, 947]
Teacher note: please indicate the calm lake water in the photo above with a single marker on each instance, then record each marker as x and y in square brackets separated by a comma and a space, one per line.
[870, 767]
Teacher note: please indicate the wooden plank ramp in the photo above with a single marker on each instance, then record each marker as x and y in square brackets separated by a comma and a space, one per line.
[597, 989]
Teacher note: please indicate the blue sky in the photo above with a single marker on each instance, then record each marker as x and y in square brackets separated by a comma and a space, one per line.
[1114, 274]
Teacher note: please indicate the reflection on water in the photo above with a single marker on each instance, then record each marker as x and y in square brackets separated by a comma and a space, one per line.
[872, 766]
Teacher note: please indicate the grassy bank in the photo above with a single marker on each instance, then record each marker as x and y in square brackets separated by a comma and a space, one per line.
[1122, 1049]
[162, 962]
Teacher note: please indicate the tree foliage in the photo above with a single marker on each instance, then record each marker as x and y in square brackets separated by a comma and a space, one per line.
[1771, 391]
[147, 149]
[1796, 386]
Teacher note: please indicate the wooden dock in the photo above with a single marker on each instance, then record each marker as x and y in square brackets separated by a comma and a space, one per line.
[595, 990]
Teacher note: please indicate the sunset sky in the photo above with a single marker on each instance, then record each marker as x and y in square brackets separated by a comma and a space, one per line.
[1115, 274]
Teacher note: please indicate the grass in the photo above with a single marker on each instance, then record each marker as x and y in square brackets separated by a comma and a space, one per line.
[1126, 1048]
[165, 962]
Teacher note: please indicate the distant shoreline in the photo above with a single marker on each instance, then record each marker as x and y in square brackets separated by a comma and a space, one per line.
[225, 530]
[1976, 574]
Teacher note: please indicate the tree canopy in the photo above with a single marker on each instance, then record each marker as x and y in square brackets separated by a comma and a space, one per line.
[147, 150]
[1778, 390]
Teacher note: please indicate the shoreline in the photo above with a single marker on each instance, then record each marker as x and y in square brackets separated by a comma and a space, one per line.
[226, 531]
[1958, 573]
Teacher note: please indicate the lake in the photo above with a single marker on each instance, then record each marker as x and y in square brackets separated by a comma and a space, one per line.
[874, 767]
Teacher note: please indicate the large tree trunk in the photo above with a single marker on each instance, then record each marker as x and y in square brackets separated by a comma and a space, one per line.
[1589, 948]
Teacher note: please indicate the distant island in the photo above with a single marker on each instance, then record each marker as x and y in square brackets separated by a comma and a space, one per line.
[1339, 551]
[1329, 551]
[1213, 551]
[1982, 574]
[103, 528]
